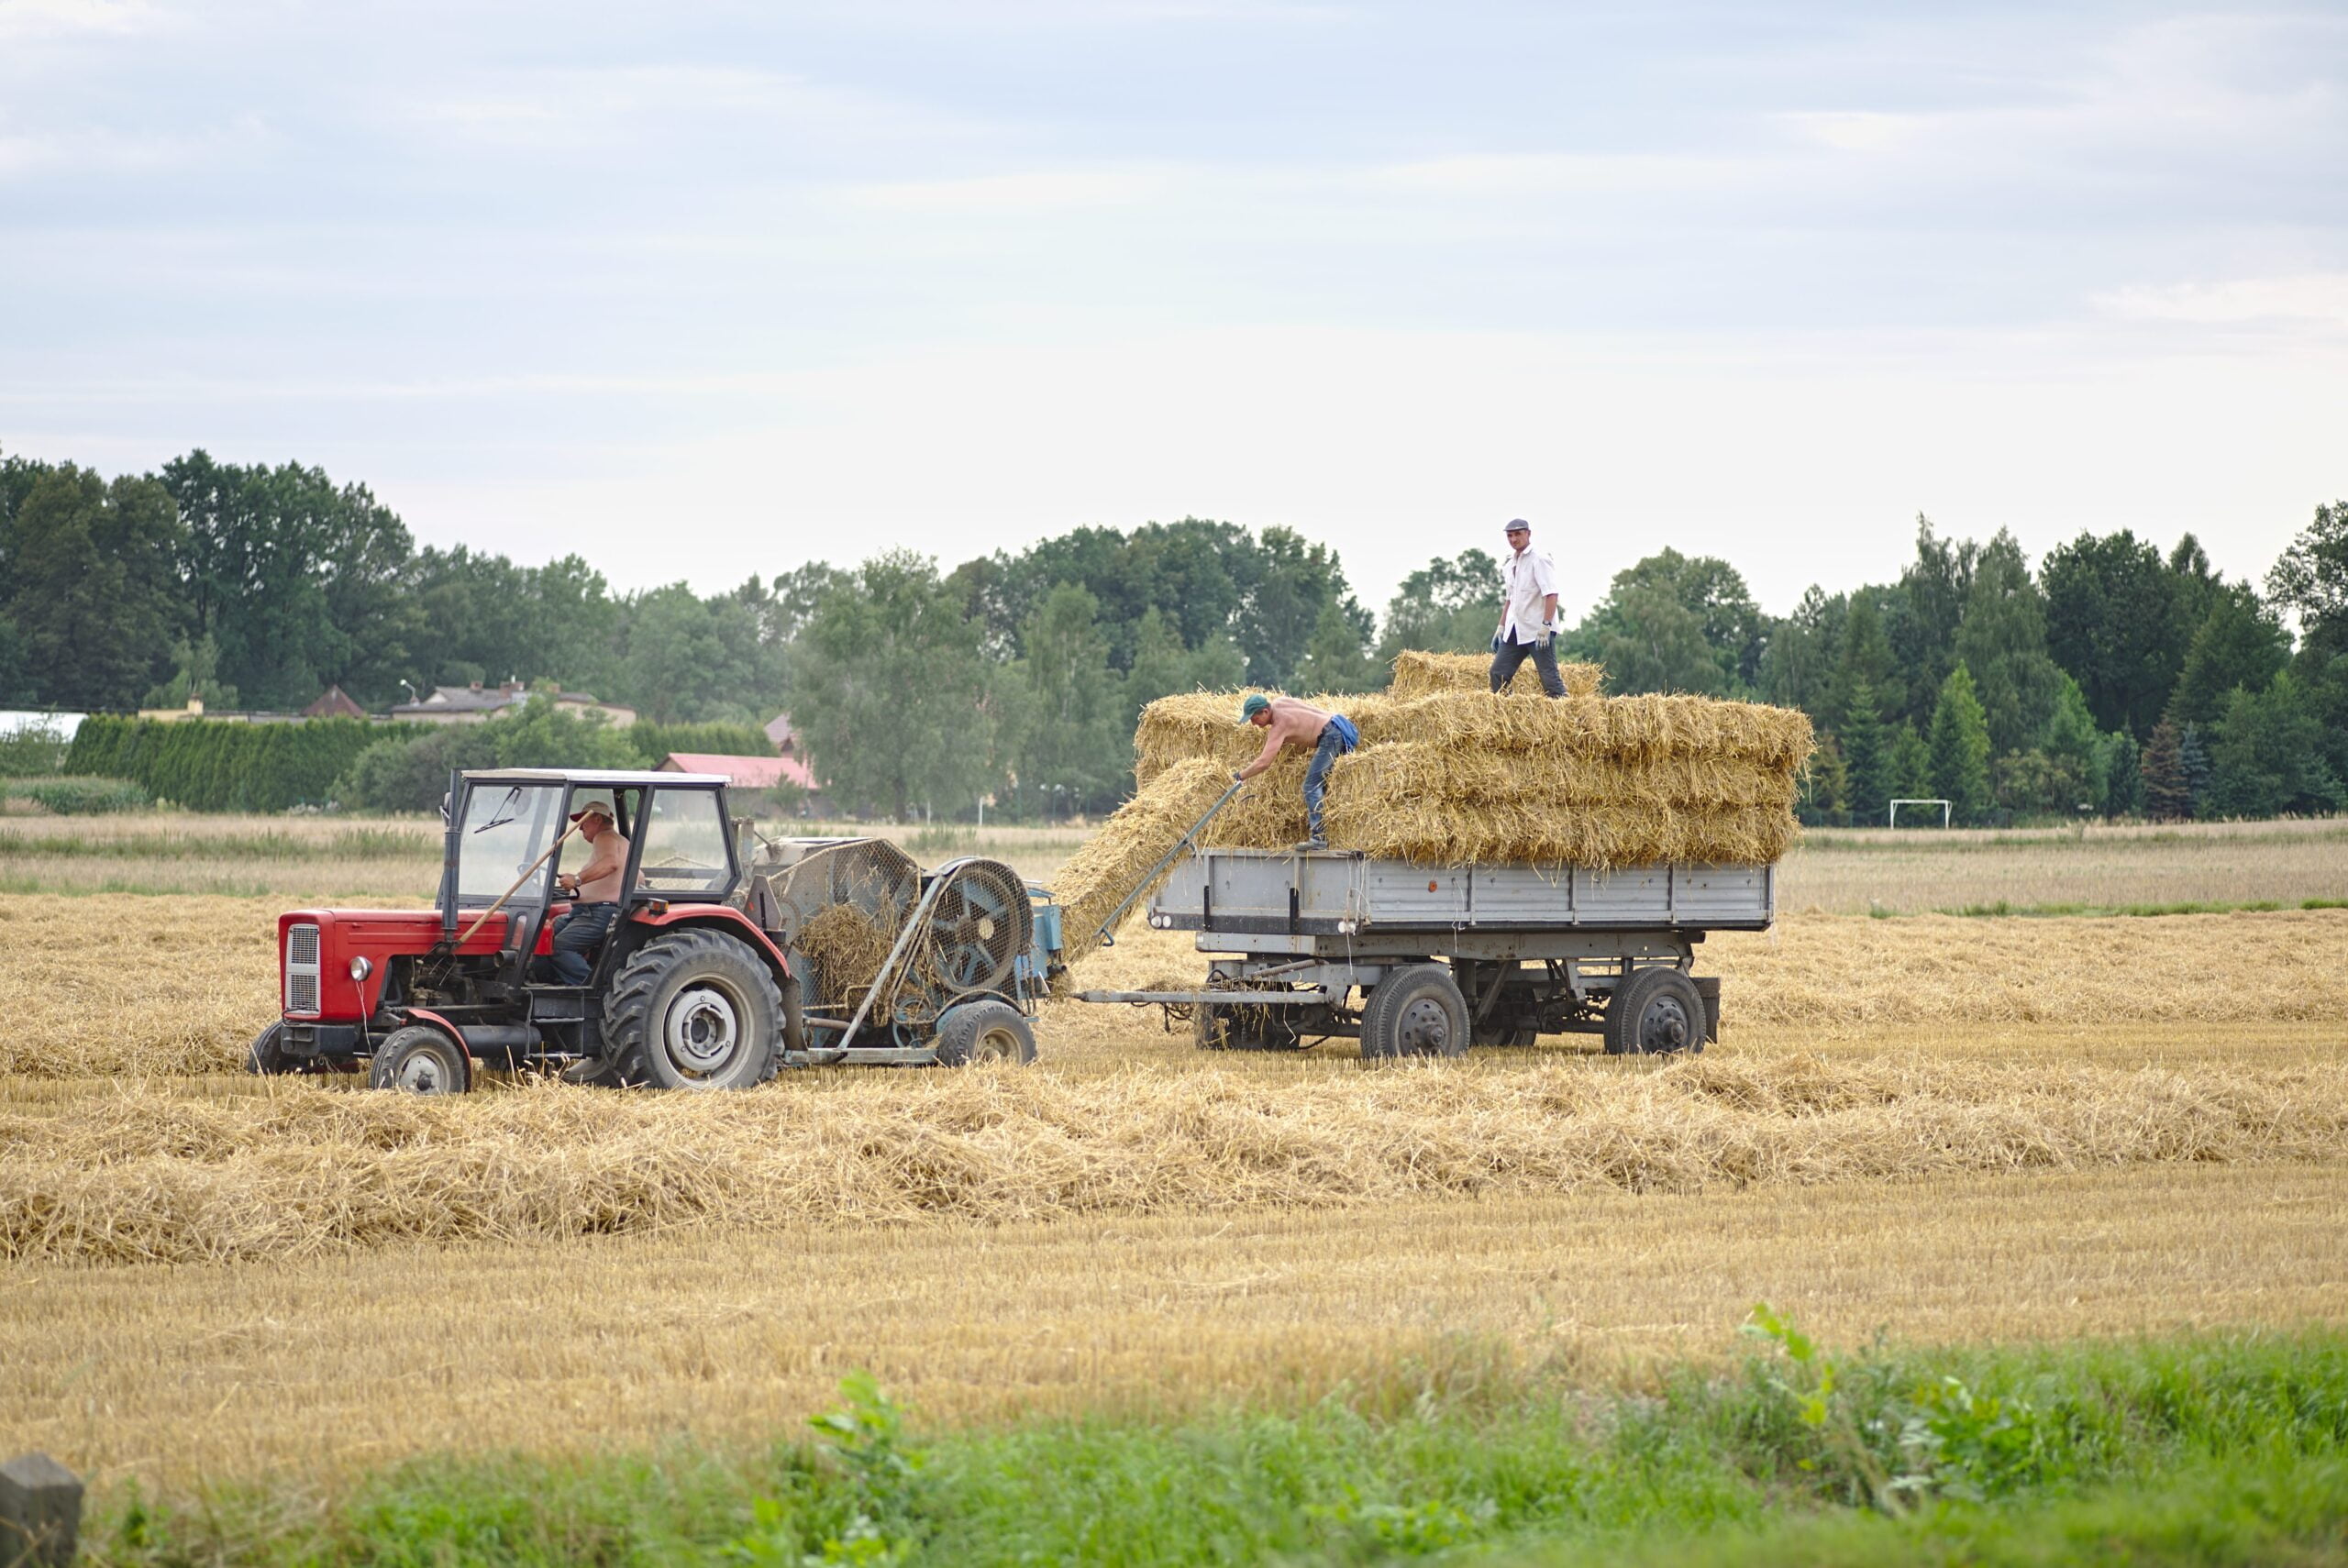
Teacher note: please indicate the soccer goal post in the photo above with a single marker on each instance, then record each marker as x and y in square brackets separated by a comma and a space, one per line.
[1893, 821]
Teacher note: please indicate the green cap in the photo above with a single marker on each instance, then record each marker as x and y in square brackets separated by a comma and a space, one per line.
[1257, 702]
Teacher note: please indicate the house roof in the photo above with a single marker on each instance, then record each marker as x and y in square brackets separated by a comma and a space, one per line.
[750, 772]
[484, 700]
[332, 702]
[779, 730]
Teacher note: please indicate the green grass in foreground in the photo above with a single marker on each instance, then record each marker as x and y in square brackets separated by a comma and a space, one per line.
[2207, 1451]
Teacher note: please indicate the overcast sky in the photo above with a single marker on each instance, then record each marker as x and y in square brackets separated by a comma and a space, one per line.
[704, 290]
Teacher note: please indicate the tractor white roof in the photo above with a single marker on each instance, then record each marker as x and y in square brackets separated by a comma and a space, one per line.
[599, 777]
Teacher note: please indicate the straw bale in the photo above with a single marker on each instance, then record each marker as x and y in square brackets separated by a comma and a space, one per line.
[1098, 876]
[1603, 835]
[136, 1175]
[1654, 724]
[1207, 724]
[1418, 674]
[1426, 770]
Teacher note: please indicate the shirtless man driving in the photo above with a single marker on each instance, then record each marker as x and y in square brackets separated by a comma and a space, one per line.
[596, 887]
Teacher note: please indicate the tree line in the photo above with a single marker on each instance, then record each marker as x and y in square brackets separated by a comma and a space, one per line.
[2113, 675]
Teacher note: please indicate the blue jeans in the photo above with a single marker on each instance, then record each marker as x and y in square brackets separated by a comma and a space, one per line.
[1545, 660]
[1338, 736]
[576, 935]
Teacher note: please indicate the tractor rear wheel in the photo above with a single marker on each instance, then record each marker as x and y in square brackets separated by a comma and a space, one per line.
[692, 1009]
[1416, 1010]
[420, 1059]
[1653, 1012]
[984, 1032]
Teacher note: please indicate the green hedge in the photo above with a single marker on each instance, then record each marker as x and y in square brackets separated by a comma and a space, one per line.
[655, 742]
[79, 797]
[220, 765]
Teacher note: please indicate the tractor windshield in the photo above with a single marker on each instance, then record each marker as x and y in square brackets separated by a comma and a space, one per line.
[507, 828]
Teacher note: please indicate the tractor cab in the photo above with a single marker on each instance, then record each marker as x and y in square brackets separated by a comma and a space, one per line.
[684, 990]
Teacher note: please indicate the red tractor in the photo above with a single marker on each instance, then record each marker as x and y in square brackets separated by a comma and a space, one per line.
[685, 992]
[697, 984]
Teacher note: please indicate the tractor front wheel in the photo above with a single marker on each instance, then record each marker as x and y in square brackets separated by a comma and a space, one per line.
[419, 1059]
[267, 1056]
[692, 1009]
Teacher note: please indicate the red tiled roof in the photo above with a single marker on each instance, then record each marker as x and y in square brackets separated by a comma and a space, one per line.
[750, 772]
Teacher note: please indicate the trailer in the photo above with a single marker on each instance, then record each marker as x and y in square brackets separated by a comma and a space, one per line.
[1443, 958]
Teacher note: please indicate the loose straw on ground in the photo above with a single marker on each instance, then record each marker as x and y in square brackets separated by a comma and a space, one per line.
[139, 1176]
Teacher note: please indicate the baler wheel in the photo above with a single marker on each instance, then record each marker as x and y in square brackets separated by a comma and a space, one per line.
[984, 1032]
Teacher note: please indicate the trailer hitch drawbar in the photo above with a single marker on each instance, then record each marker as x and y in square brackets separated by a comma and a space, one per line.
[1311, 997]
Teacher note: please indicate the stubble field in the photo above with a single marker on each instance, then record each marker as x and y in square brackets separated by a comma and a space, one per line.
[1947, 1127]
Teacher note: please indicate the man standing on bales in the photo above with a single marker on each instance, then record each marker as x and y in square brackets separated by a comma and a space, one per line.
[1528, 614]
[1290, 722]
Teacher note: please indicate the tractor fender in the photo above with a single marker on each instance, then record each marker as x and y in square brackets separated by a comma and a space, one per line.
[426, 1015]
[719, 917]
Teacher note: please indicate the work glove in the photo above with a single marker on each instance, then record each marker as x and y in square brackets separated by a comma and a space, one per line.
[1239, 779]
[1496, 642]
[1548, 631]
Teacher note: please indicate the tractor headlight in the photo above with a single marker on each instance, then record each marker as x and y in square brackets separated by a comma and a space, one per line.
[362, 966]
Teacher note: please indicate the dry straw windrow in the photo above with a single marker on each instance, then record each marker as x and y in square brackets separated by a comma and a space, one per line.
[139, 1176]
[122, 985]
[1420, 674]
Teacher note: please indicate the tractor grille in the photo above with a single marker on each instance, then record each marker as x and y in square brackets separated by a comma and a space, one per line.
[301, 968]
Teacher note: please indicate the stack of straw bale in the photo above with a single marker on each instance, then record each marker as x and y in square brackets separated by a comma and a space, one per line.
[1451, 773]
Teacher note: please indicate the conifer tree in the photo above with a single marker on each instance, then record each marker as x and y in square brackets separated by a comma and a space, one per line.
[2193, 753]
[2168, 797]
[1960, 747]
[1865, 756]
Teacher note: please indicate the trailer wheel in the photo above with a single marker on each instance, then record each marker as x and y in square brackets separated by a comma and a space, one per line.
[1416, 1010]
[1654, 1012]
[984, 1032]
[419, 1059]
[692, 1009]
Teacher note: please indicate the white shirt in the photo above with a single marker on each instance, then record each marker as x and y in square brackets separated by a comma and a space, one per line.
[1527, 578]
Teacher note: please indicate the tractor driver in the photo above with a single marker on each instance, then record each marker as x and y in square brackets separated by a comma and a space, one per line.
[596, 887]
